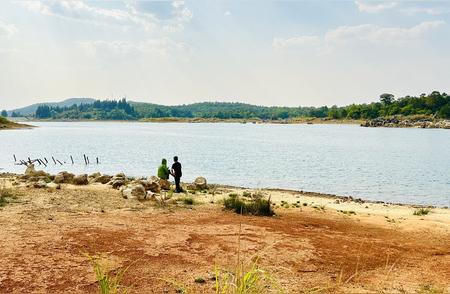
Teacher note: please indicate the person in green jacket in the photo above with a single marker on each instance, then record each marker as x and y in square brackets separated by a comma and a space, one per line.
[163, 170]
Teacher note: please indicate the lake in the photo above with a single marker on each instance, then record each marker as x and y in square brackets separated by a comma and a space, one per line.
[394, 165]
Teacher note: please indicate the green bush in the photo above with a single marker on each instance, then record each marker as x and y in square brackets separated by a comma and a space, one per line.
[422, 211]
[260, 207]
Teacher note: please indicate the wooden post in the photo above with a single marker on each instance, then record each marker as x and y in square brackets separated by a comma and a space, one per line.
[29, 160]
[71, 158]
[15, 159]
[43, 162]
[54, 161]
[97, 161]
[46, 161]
[87, 157]
[85, 160]
[59, 162]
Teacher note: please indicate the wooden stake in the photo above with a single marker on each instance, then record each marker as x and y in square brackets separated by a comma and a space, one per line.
[15, 159]
[54, 161]
[71, 158]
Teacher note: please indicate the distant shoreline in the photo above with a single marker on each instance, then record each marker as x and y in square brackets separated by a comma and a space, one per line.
[214, 120]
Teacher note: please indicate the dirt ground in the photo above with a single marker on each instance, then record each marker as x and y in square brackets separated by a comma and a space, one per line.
[47, 236]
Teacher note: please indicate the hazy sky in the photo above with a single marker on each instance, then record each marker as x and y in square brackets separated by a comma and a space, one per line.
[261, 52]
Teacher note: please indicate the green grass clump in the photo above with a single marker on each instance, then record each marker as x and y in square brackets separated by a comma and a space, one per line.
[422, 211]
[200, 280]
[6, 196]
[107, 283]
[347, 212]
[319, 207]
[187, 200]
[244, 278]
[259, 207]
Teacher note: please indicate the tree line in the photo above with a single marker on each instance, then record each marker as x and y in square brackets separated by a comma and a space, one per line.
[434, 104]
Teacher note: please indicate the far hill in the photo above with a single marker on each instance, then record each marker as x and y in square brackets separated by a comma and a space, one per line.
[31, 109]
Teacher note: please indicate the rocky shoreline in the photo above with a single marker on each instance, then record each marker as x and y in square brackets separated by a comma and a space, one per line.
[147, 188]
[396, 122]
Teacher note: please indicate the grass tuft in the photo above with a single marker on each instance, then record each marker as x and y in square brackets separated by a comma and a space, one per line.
[259, 207]
[422, 211]
[108, 283]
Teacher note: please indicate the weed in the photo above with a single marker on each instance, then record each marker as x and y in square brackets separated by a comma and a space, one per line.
[254, 207]
[187, 200]
[347, 212]
[422, 211]
[233, 195]
[6, 196]
[305, 204]
[430, 289]
[247, 194]
[319, 207]
[200, 280]
[108, 283]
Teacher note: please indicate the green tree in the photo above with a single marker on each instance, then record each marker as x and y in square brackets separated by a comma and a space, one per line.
[387, 98]
[4, 113]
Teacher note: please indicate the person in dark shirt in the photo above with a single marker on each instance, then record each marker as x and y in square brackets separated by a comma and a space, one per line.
[176, 173]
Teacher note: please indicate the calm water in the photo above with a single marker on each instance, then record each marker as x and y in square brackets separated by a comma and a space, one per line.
[398, 165]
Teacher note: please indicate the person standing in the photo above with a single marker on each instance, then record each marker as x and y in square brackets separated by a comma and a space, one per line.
[163, 170]
[176, 173]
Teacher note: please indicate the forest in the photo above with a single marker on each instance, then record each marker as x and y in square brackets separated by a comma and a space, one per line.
[435, 105]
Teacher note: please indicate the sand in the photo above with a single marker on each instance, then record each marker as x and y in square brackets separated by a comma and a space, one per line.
[47, 236]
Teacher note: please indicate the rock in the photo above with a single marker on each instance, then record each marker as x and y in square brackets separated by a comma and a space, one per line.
[63, 178]
[104, 179]
[134, 191]
[120, 175]
[151, 185]
[81, 180]
[200, 183]
[164, 184]
[40, 184]
[153, 179]
[30, 170]
[116, 184]
[95, 175]
[53, 186]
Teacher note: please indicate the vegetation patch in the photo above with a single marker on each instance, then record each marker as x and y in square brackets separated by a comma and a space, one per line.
[6, 196]
[259, 207]
[109, 282]
[347, 212]
[187, 200]
[422, 211]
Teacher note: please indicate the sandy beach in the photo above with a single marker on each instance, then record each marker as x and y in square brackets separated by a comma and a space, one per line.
[314, 243]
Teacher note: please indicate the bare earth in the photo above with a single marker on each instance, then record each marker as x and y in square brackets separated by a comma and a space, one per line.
[46, 237]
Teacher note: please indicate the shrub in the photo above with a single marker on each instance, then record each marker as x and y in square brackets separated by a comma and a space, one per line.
[254, 207]
[422, 211]
[188, 200]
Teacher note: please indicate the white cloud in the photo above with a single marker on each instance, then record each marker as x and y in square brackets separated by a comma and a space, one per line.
[7, 30]
[130, 15]
[364, 33]
[150, 47]
[280, 43]
[374, 6]
[227, 13]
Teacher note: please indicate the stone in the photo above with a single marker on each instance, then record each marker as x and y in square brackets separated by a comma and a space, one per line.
[53, 186]
[104, 179]
[120, 175]
[95, 175]
[40, 184]
[150, 185]
[63, 178]
[134, 191]
[81, 180]
[116, 184]
[164, 184]
[200, 183]
[30, 170]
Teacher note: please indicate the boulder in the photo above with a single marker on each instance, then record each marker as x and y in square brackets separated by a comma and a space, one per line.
[134, 191]
[81, 180]
[104, 179]
[120, 175]
[95, 175]
[164, 184]
[116, 183]
[200, 183]
[32, 172]
[53, 186]
[40, 184]
[150, 185]
[63, 178]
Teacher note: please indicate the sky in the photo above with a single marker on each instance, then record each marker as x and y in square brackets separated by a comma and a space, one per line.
[293, 53]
